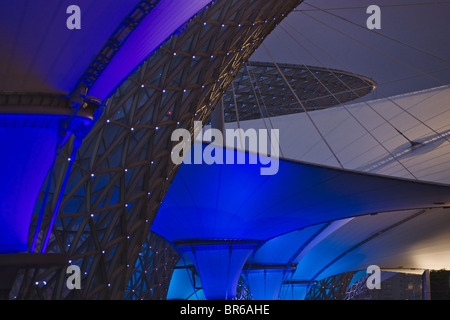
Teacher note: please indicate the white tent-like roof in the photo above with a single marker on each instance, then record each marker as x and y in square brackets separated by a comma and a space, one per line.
[406, 241]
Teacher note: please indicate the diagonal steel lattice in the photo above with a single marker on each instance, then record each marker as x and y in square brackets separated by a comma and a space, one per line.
[358, 290]
[331, 288]
[153, 270]
[122, 168]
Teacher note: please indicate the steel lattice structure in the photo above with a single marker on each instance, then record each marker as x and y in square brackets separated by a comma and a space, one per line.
[331, 288]
[122, 167]
[358, 289]
[153, 270]
[260, 90]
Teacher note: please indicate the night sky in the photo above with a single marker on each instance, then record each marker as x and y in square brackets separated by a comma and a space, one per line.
[395, 67]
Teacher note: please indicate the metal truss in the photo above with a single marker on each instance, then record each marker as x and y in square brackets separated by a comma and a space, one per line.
[122, 169]
[153, 270]
[99, 63]
[260, 90]
[243, 291]
[331, 288]
[358, 290]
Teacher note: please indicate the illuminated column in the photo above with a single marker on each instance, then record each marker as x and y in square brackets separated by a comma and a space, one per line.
[219, 264]
[28, 147]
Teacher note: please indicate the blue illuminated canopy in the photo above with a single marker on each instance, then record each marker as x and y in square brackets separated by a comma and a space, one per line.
[218, 214]
[237, 202]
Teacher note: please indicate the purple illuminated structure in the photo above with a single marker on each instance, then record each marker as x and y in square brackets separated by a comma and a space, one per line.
[22, 175]
[47, 72]
[41, 56]
[30, 133]
[138, 46]
[218, 214]
[32, 129]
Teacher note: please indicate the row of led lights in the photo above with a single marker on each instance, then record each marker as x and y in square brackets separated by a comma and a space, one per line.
[212, 56]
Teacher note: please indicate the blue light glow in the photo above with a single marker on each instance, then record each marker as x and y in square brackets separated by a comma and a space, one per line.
[160, 23]
[28, 144]
[236, 203]
[219, 268]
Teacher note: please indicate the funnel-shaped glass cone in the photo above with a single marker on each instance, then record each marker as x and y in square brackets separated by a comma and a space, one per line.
[219, 267]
